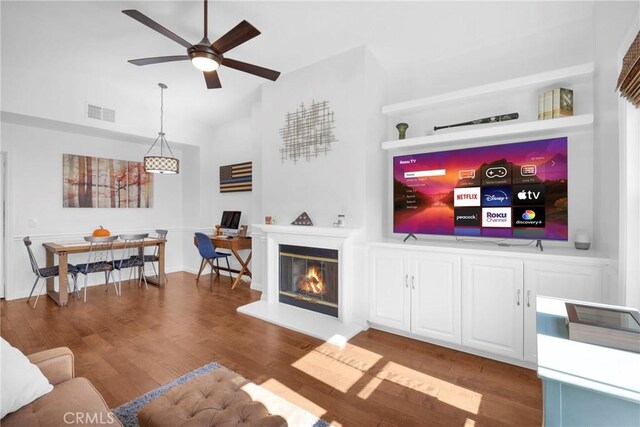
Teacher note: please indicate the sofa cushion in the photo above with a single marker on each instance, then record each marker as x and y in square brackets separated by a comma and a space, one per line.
[22, 382]
[73, 402]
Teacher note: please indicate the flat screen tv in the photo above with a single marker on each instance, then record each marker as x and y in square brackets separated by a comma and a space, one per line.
[516, 190]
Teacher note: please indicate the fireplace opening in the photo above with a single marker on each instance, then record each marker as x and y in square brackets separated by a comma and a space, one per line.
[309, 278]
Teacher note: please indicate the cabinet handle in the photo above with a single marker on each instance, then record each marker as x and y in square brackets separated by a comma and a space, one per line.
[412, 284]
[406, 281]
[529, 298]
[518, 300]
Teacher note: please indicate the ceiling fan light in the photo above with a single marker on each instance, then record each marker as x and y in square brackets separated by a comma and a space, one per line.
[205, 63]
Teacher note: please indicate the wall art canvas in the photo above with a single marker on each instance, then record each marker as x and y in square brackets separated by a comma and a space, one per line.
[92, 182]
[235, 178]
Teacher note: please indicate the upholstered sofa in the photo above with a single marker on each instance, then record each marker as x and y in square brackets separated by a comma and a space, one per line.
[73, 401]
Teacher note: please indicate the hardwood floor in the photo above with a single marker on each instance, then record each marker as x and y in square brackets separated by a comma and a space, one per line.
[131, 344]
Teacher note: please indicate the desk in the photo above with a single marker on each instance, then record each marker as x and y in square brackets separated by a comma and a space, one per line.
[234, 244]
[64, 249]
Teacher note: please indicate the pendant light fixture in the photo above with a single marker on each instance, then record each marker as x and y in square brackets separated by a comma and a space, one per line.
[161, 163]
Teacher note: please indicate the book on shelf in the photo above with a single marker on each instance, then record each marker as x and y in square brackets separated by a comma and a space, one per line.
[605, 326]
[540, 106]
[562, 103]
[548, 105]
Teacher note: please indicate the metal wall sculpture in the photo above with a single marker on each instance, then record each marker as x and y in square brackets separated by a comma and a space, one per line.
[307, 132]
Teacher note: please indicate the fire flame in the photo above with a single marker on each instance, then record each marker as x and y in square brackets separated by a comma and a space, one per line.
[312, 282]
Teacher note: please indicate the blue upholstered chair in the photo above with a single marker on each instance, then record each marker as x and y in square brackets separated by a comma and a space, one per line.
[208, 253]
[155, 257]
[47, 272]
[100, 260]
[131, 257]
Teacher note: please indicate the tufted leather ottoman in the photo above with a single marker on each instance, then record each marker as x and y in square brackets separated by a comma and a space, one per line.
[212, 399]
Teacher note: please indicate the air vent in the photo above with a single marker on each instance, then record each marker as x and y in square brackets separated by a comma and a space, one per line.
[101, 113]
[109, 115]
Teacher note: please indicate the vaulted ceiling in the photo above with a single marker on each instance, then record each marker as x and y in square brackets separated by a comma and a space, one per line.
[92, 41]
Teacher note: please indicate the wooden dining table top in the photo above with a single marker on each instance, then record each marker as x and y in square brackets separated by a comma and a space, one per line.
[83, 246]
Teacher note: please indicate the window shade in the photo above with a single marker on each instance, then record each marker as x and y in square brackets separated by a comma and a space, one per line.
[629, 80]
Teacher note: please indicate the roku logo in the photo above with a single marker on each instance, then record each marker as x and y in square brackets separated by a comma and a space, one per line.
[496, 215]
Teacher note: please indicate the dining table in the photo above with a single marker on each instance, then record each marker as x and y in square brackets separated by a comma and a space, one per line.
[64, 249]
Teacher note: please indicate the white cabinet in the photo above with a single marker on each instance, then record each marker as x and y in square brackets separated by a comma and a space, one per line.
[475, 302]
[435, 296]
[416, 292]
[492, 298]
[389, 278]
[579, 282]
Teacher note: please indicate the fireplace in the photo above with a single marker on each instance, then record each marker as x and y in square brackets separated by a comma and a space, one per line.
[309, 278]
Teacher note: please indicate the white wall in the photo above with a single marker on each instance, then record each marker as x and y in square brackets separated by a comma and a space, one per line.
[35, 199]
[610, 28]
[333, 183]
[226, 144]
[629, 187]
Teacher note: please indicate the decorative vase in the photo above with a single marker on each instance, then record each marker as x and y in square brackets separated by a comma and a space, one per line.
[402, 130]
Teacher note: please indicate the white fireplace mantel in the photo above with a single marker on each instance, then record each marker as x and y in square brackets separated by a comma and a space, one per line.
[266, 242]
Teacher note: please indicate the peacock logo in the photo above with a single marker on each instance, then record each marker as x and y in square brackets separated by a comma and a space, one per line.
[528, 214]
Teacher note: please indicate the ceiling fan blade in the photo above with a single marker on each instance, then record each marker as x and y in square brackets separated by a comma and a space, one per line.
[158, 59]
[144, 19]
[212, 79]
[251, 69]
[236, 36]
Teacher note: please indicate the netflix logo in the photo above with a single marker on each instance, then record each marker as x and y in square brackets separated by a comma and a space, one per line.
[466, 196]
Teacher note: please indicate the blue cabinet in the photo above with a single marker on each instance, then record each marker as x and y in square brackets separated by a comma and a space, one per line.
[583, 384]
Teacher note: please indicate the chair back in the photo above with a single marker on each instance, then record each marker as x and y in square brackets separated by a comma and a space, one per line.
[32, 258]
[132, 245]
[162, 235]
[101, 253]
[205, 246]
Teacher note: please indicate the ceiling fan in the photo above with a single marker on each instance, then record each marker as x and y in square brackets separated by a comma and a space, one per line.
[204, 55]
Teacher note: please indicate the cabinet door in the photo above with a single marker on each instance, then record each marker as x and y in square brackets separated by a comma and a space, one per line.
[435, 296]
[570, 281]
[492, 298]
[389, 277]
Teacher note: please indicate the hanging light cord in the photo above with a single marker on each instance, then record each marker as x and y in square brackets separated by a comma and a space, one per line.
[163, 140]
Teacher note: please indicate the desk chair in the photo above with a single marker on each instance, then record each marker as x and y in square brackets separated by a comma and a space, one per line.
[47, 272]
[131, 258]
[208, 253]
[155, 257]
[100, 260]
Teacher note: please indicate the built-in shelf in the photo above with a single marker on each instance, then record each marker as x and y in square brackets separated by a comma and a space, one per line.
[535, 80]
[498, 130]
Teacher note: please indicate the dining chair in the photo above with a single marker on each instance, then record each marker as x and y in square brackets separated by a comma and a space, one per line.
[47, 272]
[208, 253]
[155, 257]
[100, 259]
[132, 257]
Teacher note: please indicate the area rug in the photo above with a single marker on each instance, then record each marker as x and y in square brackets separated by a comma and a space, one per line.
[297, 417]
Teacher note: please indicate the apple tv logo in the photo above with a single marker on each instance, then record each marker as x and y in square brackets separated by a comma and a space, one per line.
[527, 195]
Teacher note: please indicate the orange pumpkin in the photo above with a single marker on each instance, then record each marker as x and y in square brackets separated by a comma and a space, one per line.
[101, 232]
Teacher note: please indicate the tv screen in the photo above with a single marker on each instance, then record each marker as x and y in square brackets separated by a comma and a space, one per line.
[516, 190]
[230, 220]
